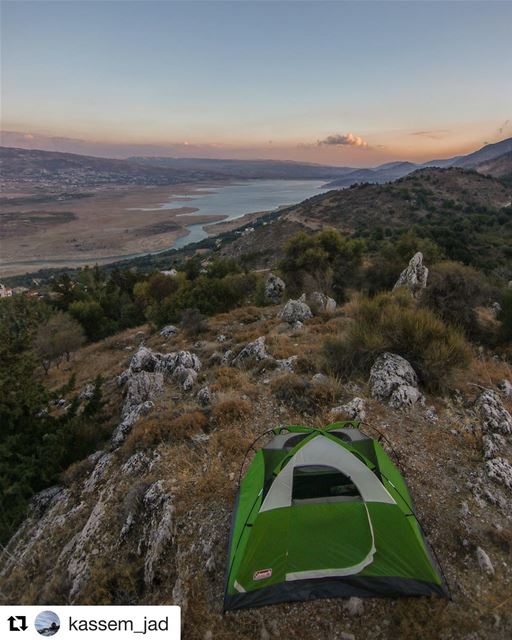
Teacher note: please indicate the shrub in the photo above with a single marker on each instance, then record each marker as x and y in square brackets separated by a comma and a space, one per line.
[453, 293]
[392, 322]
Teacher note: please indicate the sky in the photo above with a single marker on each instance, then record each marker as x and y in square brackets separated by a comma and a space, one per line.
[344, 83]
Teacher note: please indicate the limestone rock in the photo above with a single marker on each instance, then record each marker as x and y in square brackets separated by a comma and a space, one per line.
[252, 351]
[274, 289]
[143, 360]
[505, 386]
[321, 303]
[495, 418]
[287, 364]
[493, 445]
[414, 276]
[204, 396]
[354, 410]
[500, 470]
[393, 379]
[320, 378]
[296, 311]
[140, 388]
[124, 428]
[87, 392]
[169, 331]
[158, 528]
[484, 561]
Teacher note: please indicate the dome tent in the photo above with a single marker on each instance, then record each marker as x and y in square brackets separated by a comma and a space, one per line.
[324, 513]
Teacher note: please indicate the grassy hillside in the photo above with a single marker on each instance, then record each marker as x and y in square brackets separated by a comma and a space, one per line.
[467, 214]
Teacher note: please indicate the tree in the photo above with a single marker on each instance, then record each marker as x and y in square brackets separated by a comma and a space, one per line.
[58, 337]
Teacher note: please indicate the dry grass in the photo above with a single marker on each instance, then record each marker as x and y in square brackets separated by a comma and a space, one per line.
[157, 427]
[304, 396]
[230, 409]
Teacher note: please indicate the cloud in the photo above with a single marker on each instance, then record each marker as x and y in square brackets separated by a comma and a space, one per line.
[435, 134]
[348, 140]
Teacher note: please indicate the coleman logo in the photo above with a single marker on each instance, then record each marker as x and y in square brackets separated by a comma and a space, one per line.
[262, 574]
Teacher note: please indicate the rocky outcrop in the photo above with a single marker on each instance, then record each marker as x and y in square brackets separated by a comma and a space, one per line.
[495, 418]
[392, 379]
[495, 482]
[321, 303]
[141, 387]
[296, 311]
[274, 289]
[414, 276]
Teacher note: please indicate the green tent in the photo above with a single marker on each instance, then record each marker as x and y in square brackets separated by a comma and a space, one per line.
[325, 513]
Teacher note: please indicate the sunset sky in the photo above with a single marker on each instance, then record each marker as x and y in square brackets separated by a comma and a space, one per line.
[332, 82]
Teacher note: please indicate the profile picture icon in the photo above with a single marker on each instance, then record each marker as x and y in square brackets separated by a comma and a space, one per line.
[47, 623]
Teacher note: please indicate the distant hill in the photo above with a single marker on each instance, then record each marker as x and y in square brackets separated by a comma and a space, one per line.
[486, 153]
[500, 167]
[394, 170]
[40, 168]
[468, 214]
[249, 169]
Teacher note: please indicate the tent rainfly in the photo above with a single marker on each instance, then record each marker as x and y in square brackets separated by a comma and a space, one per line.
[324, 513]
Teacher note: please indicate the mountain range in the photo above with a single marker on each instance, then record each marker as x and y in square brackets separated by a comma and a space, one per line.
[32, 166]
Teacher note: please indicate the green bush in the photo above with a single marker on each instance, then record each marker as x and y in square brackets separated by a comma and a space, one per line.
[453, 292]
[392, 322]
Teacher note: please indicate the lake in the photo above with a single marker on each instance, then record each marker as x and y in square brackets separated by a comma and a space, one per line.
[236, 200]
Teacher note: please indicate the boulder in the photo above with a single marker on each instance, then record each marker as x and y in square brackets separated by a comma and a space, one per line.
[393, 379]
[414, 276]
[320, 378]
[143, 360]
[252, 351]
[169, 331]
[321, 303]
[296, 311]
[274, 289]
